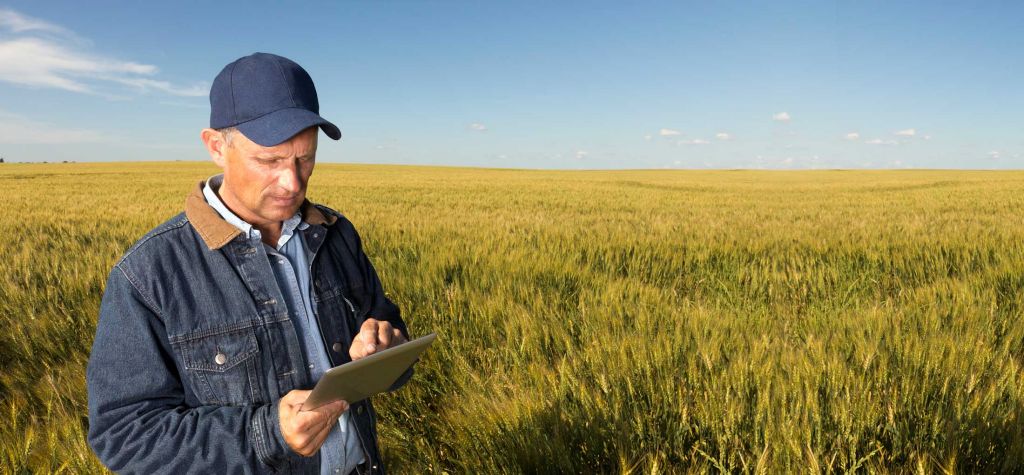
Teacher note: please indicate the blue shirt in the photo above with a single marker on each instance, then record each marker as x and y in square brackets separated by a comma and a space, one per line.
[341, 452]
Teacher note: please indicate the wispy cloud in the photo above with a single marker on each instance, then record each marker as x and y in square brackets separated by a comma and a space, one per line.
[881, 142]
[16, 129]
[994, 154]
[853, 136]
[18, 23]
[669, 133]
[905, 133]
[41, 54]
[723, 136]
[693, 142]
[478, 127]
[581, 154]
[781, 117]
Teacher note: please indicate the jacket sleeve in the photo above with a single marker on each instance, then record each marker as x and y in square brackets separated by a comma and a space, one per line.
[381, 307]
[138, 419]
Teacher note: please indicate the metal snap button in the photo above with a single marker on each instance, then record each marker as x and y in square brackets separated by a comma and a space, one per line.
[221, 358]
[337, 347]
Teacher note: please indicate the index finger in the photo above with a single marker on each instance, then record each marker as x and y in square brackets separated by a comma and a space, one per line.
[384, 334]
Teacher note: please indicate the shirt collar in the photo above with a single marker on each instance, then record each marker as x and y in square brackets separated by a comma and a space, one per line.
[288, 226]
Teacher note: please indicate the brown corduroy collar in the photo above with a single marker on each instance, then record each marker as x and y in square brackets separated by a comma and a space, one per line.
[216, 232]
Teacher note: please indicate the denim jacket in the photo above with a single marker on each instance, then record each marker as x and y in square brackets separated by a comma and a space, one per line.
[194, 346]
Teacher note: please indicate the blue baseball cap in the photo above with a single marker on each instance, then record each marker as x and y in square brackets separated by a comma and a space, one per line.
[269, 98]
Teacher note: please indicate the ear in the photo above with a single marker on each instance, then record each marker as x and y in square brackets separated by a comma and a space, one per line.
[215, 145]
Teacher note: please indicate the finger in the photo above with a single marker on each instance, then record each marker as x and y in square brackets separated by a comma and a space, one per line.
[321, 436]
[311, 422]
[370, 324]
[397, 336]
[315, 437]
[360, 350]
[368, 334]
[384, 334]
[295, 397]
[369, 338]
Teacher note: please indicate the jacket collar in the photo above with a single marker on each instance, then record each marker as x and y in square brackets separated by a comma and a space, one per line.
[216, 232]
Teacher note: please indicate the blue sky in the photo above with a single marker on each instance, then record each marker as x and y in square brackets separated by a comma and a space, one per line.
[780, 84]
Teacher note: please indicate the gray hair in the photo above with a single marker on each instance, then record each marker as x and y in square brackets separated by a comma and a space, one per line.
[228, 133]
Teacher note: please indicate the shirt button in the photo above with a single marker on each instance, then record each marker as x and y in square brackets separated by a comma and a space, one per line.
[337, 347]
[221, 358]
[310, 366]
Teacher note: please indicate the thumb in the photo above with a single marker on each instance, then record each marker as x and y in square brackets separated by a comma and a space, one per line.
[296, 397]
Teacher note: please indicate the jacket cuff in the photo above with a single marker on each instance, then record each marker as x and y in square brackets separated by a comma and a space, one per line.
[270, 445]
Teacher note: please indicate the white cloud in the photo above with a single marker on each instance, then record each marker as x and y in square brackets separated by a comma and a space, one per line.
[723, 136]
[647, 137]
[853, 136]
[927, 137]
[881, 142]
[669, 133]
[32, 59]
[787, 161]
[994, 154]
[18, 23]
[581, 154]
[693, 142]
[478, 126]
[781, 117]
[905, 133]
[15, 129]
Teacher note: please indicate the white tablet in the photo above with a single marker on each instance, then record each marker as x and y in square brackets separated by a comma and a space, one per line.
[360, 379]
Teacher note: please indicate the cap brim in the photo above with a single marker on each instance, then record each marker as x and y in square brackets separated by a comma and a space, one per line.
[281, 125]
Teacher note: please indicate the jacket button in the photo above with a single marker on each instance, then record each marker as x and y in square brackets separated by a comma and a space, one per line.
[337, 347]
[221, 358]
[359, 410]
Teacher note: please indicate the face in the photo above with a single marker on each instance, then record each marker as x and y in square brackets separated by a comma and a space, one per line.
[263, 185]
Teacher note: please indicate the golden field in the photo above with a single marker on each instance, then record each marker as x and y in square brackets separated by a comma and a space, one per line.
[600, 321]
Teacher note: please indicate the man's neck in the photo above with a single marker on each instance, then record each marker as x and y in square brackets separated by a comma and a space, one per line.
[270, 231]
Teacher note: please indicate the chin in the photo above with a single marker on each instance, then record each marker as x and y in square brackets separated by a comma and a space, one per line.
[279, 213]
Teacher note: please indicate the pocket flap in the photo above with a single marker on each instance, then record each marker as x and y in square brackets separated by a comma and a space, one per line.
[218, 352]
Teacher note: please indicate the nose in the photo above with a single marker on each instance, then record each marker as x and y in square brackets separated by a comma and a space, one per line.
[288, 178]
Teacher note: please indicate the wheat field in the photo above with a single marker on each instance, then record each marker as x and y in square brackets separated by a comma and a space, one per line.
[600, 321]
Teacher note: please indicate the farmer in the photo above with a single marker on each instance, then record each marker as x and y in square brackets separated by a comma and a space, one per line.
[214, 325]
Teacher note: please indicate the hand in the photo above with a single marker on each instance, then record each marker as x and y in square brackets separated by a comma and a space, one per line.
[306, 431]
[374, 335]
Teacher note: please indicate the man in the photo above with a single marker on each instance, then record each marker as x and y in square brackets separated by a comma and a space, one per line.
[215, 325]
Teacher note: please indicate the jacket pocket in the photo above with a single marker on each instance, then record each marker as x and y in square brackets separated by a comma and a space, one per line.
[223, 366]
